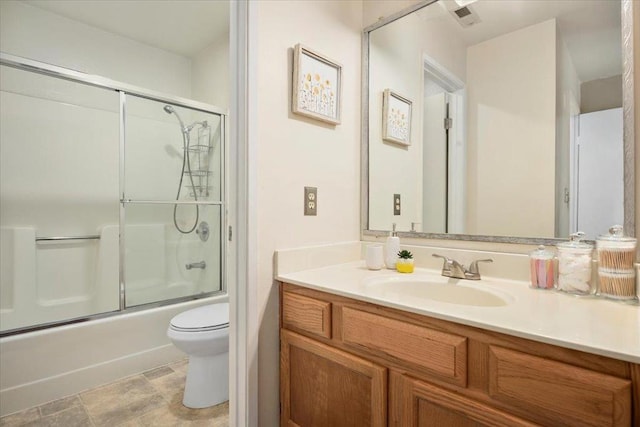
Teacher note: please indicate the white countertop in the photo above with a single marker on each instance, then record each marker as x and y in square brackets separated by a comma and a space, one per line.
[588, 324]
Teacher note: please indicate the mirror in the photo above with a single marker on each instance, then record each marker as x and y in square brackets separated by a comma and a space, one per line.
[515, 131]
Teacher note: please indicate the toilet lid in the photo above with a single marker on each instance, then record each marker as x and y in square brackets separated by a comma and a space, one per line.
[206, 318]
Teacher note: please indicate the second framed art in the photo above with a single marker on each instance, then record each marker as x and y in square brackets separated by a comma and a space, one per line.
[396, 118]
[317, 83]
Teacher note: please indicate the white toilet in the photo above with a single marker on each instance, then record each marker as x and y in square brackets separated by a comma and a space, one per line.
[203, 333]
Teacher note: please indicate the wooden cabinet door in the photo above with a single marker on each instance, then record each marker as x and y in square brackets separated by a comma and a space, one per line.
[321, 386]
[556, 393]
[413, 403]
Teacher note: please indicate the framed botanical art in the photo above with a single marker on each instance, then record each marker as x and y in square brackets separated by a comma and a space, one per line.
[316, 86]
[396, 118]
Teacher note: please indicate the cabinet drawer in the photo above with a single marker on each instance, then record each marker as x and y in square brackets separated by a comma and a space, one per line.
[306, 314]
[414, 403]
[409, 345]
[557, 393]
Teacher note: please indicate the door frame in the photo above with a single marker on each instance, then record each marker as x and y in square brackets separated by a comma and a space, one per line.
[456, 97]
[242, 289]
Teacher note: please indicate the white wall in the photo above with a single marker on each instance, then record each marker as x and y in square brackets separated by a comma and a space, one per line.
[210, 74]
[294, 152]
[34, 33]
[526, 136]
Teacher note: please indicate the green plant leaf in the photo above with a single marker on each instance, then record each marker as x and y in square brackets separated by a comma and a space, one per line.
[404, 254]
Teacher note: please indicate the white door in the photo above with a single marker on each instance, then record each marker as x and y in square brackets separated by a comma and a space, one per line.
[600, 173]
[435, 164]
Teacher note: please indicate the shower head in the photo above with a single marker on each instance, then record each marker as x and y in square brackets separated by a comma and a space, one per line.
[170, 110]
[203, 124]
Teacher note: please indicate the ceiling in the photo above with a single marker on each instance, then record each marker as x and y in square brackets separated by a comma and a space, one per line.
[184, 27]
[591, 29]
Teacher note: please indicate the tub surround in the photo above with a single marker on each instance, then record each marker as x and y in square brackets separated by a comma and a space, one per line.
[591, 325]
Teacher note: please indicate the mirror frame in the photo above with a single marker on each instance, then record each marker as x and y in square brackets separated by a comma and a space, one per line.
[628, 108]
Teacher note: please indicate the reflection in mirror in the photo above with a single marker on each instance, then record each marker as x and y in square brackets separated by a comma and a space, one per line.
[517, 125]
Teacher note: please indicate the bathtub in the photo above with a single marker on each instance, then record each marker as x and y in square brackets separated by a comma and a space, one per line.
[42, 282]
[48, 282]
[41, 366]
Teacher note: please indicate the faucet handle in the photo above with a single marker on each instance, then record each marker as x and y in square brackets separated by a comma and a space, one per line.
[448, 263]
[446, 259]
[473, 268]
[452, 268]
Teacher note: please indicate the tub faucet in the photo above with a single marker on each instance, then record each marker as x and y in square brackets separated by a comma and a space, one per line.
[452, 268]
[200, 264]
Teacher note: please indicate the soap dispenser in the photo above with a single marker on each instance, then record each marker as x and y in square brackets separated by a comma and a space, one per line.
[391, 249]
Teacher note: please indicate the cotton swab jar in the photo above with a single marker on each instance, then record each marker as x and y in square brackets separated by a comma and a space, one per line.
[542, 268]
[574, 266]
[616, 273]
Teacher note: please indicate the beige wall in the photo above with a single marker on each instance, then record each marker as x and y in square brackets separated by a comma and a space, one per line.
[294, 152]
[601, 94]
[374, 10]
[396, 63]
[526, 136]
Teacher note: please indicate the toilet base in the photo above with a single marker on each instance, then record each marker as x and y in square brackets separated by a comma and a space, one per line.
[207, 381]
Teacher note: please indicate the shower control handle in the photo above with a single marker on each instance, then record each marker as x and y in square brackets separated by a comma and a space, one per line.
[203, 231]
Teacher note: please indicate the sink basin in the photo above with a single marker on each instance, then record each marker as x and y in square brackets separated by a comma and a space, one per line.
[395, 288]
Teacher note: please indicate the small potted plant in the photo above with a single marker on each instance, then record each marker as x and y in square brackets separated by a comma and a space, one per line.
[405, 262]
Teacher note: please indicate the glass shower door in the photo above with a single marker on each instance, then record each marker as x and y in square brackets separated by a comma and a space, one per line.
[173, 202]
[58, 199]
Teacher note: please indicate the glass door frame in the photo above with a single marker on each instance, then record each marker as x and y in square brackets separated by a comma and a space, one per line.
[125, 89]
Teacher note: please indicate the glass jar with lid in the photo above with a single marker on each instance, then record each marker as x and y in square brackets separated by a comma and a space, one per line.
[542, 268]
[574, 266]
[616, 258]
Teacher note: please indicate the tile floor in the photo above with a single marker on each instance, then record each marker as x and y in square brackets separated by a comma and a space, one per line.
[153, 398]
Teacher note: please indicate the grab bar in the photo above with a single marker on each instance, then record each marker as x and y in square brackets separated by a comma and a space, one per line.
[55, 239]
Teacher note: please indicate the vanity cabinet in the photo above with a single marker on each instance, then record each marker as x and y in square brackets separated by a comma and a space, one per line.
[350, 363]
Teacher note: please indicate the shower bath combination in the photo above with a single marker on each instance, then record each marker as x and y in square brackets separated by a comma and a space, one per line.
[201, 151]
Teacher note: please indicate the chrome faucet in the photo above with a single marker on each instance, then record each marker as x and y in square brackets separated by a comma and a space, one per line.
[452, 268]
[200, 264]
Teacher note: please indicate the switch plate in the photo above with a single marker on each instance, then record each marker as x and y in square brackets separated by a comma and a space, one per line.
[311, 201]
[396, 204]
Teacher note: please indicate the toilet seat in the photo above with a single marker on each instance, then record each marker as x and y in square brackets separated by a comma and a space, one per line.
[211, 317]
